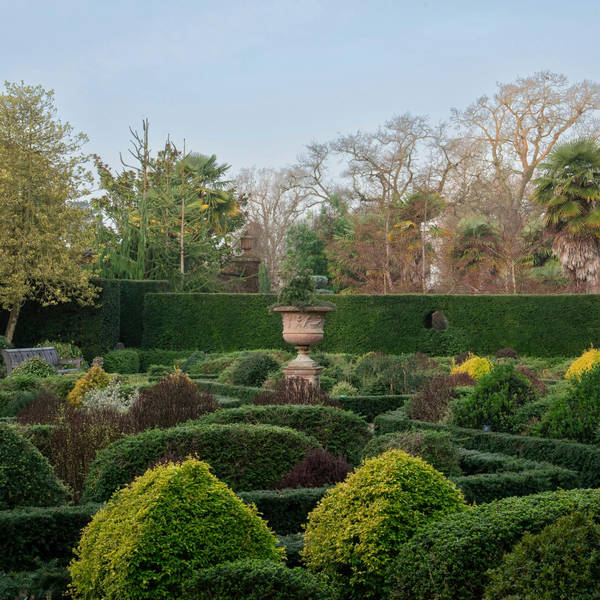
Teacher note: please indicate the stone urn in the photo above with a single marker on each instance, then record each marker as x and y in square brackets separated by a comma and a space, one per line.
[303, 327]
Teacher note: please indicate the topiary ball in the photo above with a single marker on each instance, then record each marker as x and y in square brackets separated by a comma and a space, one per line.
[26, 477]
[358, 527]
[562, 561]
[253, 370]
[157, 532]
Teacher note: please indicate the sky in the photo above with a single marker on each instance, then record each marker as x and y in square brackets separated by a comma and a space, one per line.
[253, 82]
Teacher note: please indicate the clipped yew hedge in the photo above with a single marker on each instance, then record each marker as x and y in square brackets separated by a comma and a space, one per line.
[245, 457]
[340, 432]
[449, 558]
[540, 325]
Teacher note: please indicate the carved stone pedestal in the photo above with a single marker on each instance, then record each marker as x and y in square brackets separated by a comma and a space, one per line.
[303, 328]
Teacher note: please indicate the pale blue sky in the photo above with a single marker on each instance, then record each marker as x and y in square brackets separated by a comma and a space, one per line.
[255, 81]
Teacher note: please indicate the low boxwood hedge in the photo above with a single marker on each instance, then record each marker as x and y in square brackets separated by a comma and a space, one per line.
[340, 432]
[244, 393]
[285, 510]
[122, 361]
[258, 580]
[449, 558]
[156, 356]
[246, 457]
[293, 544]
[583, 458]
[49, 582]
[371, 406]
[34, 535]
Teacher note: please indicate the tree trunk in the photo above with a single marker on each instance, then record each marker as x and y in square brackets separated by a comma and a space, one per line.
[12, 323]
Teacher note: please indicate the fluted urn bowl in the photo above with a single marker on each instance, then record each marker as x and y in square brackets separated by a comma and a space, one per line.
[303, 326]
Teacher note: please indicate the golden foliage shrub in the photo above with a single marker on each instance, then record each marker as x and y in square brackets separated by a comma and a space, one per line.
[586, 362]
[94, 379]
[474, 366]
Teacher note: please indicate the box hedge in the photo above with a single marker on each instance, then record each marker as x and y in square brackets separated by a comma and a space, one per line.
[582, 458]
[538, 325]
[450, 558]
[340, 432]
[34, 535]
[257, 580]
[246, 457]
[49, 582]
[285, 511]
[122, 361]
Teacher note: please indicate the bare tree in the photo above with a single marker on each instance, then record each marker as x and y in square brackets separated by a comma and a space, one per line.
[275, 201]
[514, 132]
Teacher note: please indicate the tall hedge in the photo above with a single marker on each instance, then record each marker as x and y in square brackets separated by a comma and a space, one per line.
[245, 457]
[541, 325]
[132, 300]
[95, 329]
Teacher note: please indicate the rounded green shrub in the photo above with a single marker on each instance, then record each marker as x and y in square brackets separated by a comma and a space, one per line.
[122, 361]
[340, 431]
[26, 477]
[343, 388]
[434, 447]
[494, 401]
[449, 559]
[253, 370]
[34, 366]
[357, 528]
[246, 457]
[157, 532]
[562, 561]
[575, 414]
[258, 580]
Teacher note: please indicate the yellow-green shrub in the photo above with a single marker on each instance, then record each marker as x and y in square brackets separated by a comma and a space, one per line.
[157, 532]
[475, 366]
[356, 530]
[586, 362]
[94, 379]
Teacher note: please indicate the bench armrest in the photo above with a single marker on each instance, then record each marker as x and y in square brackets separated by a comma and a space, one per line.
[71, 361]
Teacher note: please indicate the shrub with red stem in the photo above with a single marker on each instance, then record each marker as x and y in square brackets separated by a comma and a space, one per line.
[295, 390]
[318, 468]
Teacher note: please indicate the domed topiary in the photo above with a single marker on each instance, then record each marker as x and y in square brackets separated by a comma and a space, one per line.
[586, 362]
[26, 477]
[156, 533]
[253, 370]
[358, 527]
[562, 561]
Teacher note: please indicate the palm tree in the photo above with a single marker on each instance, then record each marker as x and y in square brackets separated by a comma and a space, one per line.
[569, 191]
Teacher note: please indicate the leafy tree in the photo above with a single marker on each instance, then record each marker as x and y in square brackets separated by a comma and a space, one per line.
[44, 234]
[305, 251]
[569, 191]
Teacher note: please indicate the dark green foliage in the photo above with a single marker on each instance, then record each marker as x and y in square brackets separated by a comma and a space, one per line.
[132, 295]
[562, 561]
[26, 477]
[581, 458]
[193, 360]
[299, 291]
[293, 544]
[11, 403]
[160, 357]
[155, 534]
[494, 400]
[244, 393]
[380, 374]
[448, 559]
[473, 462]
[371, 406]
[33, 535]
[434, 447]
[122, 361]
[95, 329]
[553, 325]
[258, 580]
[34, 366]
[341, 432]
[253, 370]
[48, 582]
[284, 510]
[246, 457]
[575, 415]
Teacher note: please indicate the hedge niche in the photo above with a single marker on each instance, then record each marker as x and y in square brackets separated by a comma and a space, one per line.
[340, 432]
[549, 325]
[156, 533]
[450, 558]
[246, 457]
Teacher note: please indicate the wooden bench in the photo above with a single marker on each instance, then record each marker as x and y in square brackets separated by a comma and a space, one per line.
[13, 358]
